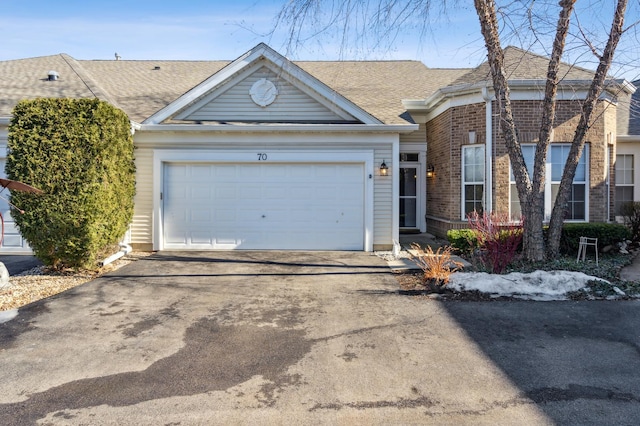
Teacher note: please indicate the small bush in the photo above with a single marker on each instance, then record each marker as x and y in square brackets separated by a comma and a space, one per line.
[462, 240]
[499, 239]
[436, 267]
[606, 233]
[631, 214]
[80, 153]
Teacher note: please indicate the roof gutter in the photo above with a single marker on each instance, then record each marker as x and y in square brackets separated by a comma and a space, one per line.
[482, 87]
[628, 138]
[277, 128]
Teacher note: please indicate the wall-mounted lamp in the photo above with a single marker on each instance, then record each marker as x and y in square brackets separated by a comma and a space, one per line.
[384, 169]
[430, 171]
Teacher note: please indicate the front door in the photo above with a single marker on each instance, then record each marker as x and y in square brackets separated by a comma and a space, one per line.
[410, 190]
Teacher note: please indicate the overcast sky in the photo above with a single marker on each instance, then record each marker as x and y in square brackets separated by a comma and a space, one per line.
[214, 30]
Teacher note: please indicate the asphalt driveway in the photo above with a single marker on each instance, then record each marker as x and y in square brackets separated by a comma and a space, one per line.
[309, 338]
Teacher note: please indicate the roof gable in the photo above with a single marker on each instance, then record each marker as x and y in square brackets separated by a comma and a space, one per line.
[225, 95]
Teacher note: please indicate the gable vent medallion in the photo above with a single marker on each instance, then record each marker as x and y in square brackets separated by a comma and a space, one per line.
[263, 92]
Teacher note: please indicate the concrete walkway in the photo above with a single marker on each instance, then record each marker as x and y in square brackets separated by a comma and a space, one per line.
[403, 261]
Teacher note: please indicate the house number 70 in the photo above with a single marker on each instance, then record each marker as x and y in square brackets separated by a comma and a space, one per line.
[262, 156]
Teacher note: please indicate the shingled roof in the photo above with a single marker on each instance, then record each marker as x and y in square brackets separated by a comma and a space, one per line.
[520, 64]
[28, 79]
[141, 88]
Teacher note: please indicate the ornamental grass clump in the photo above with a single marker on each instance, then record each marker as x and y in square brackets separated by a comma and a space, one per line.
[437, 266]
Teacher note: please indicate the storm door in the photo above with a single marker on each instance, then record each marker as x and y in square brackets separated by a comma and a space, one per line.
[409, 190]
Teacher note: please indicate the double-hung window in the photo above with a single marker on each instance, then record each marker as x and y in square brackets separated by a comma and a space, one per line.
[624, 180]
[472, 179]
[576, 206]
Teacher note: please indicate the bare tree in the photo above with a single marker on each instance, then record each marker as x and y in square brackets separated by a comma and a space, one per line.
[385, 20]
[531, 193]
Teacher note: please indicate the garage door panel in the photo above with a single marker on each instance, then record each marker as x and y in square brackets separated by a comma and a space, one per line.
[264, 206]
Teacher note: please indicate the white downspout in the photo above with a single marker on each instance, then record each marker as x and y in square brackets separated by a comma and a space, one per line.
[488, 150]
[395, 179]
[124, 250]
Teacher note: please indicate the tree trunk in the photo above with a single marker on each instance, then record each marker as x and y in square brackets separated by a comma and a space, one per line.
[577, 145]
[532, 205]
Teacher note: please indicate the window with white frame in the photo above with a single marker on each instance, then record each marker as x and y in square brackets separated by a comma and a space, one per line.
[624, 180]
[576, 207]
[472, 179]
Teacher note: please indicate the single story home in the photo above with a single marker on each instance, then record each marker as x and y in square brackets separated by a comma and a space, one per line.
[265, 153]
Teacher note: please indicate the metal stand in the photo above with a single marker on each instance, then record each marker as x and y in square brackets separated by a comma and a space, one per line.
[582, 249]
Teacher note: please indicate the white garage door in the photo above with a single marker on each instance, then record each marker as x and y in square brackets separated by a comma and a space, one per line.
[263, 206]
[13, 242]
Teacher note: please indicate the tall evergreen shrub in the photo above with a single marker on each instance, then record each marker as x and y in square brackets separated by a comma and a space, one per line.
[80, 153]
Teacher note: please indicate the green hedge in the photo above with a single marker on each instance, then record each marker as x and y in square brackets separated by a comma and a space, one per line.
[462, 240]
[80, 153]
[606, 233]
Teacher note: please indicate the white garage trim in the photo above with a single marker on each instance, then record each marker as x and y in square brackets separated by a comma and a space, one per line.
[262, 156]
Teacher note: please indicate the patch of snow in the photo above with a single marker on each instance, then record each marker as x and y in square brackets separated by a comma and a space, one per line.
[6, 316]
[538, 285]
[620, 292]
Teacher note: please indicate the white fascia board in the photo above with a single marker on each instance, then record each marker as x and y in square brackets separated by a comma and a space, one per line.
[454, 101]
[627, 138]
[244, 61]
[316, 85]
[281, 128]
[333, 101]
[202, 88]
[627, 86]
[275, 140]
[205, 97]
[326, 93]
[521, 90]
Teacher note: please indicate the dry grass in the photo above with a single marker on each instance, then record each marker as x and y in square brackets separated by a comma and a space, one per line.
[436, 266]
[39, 283]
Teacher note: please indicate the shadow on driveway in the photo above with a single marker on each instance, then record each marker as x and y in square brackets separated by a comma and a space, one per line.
[240, 264]
[578, 361]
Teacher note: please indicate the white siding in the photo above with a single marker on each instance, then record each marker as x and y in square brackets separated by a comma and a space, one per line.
[383, 199]
[380, 145]
[142, 226]
[291, 104]
[419, 136]
[632, 148]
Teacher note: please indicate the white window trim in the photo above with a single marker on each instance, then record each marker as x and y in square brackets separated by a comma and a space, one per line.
[626, 185]
[463, 182]
[548, 206]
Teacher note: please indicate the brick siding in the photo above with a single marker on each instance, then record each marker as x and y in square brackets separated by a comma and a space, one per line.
[448, 132]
